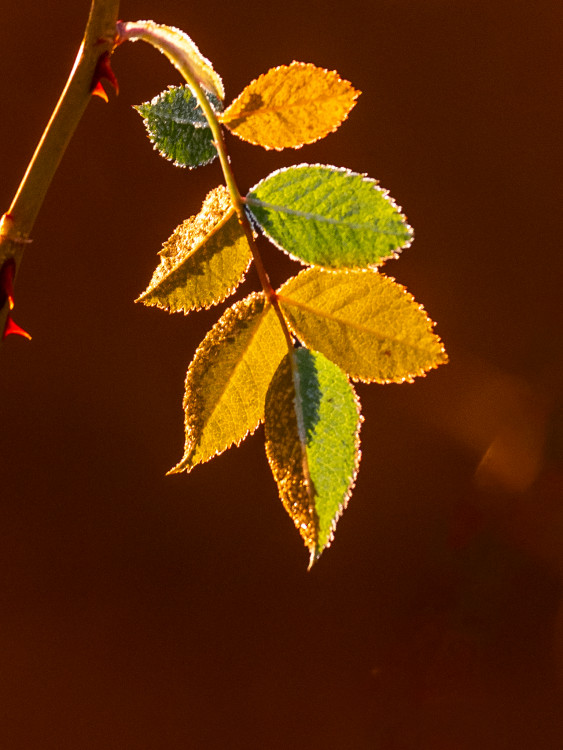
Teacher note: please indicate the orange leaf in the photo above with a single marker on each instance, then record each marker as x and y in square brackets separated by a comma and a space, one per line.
[290, 106]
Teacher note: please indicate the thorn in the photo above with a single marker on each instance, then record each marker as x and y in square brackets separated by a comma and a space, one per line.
[103, 70]
[7, 283]
[7, 273]
[99, 90]
[12, 328]
[107, 72]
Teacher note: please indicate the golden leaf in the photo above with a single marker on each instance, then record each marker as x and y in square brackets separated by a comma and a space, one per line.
[364, 322]
[203, 261]
[228, 378]
[290, 106]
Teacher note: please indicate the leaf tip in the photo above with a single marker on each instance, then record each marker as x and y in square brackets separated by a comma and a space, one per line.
[178, 469]
[314, 555]
[146, 299]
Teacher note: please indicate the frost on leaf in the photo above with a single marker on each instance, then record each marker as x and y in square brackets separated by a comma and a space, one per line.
[290, 106]
[203, 261]
[330, 217]
[363, 321]
[312, 428]
[227, 380]
[178, 128]
[178, 48]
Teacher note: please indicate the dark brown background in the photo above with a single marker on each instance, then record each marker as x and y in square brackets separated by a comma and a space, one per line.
[141, 612]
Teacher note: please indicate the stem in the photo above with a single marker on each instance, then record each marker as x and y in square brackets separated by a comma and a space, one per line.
[17, 223]
[170, 42]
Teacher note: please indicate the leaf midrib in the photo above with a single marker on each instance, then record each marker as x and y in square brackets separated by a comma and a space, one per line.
[318, 217]
[299, 103]
[347, 323]
[224, 389]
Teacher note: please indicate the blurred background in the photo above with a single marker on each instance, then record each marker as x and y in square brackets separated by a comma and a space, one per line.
[141, 612]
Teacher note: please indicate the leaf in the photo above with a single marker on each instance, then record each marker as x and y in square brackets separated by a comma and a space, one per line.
[327, 216]
[178, 48]
[228, 378]
[203, 261]
[364, 322]
[312, 428]
[290, 106]
[178, 128]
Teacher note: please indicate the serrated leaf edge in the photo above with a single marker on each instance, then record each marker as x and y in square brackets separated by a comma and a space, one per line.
[182, 87]
[228, 292]
[357, 378]
[224, 119]
[195, 125]
[180, 466]
[178, 47]
[375, 183]
[314, 551]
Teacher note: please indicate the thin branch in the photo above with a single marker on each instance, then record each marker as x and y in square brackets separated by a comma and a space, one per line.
[17, 222]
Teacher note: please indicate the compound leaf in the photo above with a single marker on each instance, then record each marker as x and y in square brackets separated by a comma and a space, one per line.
[178, 128]
[363, 321]
[203, 261]
[312, 425]
[330, 217]
[228, 378]
[290, 106]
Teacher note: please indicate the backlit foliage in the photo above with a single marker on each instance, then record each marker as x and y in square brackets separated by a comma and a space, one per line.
[285, 357]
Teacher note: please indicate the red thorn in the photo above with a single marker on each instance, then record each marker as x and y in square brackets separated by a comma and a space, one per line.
[103, 70]
[99, 90]
[12, 328]
[7, 283]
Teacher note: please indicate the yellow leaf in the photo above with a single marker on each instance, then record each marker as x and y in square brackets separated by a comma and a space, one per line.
[290, 106]
[203, 261]
[228, 378]
[364, 322]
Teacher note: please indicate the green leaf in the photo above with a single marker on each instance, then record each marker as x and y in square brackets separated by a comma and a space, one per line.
[289, 106]
[228, 378]
[312, 428]
[365, 322]
[330, 217]
[177, 127]
[203, 261]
